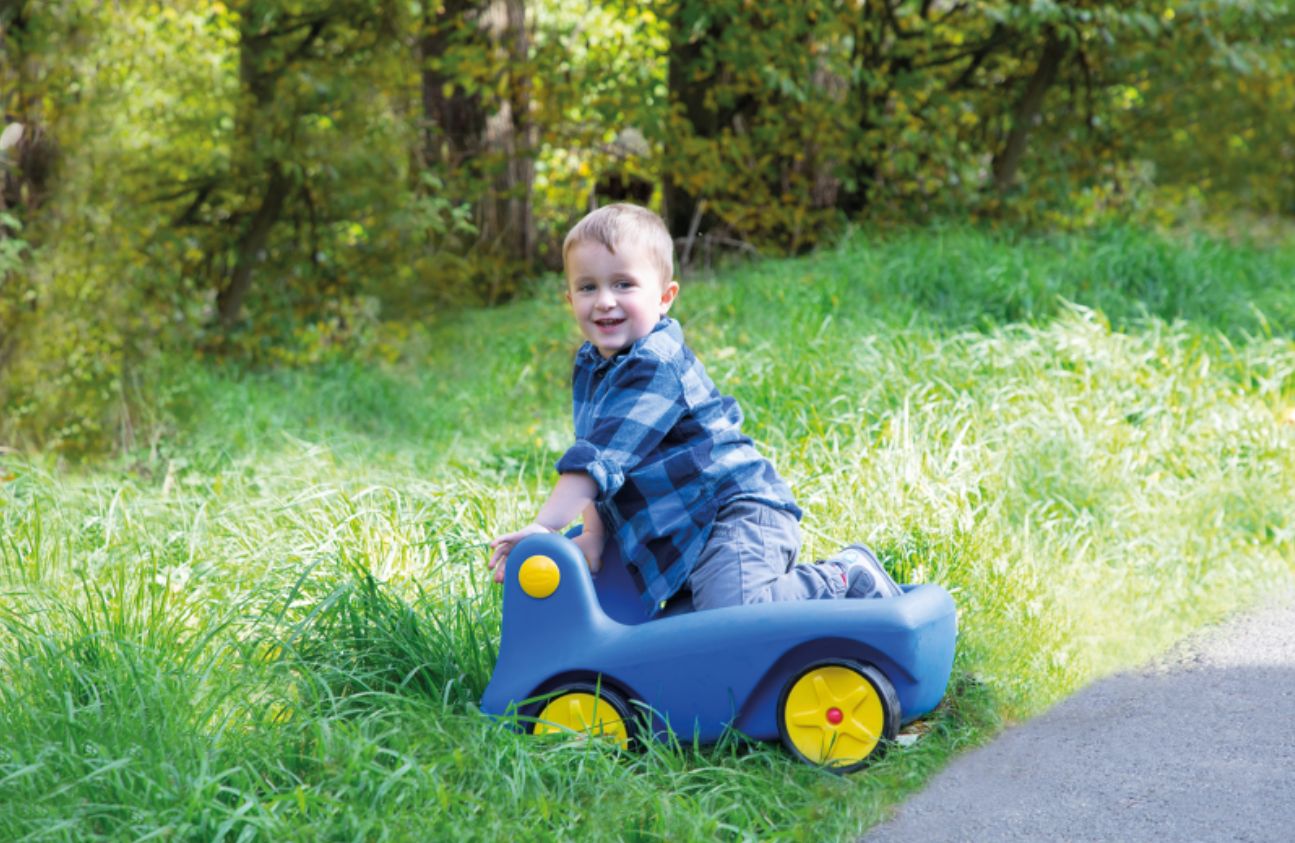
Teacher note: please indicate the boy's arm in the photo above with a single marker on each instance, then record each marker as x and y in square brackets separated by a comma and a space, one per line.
[631, 419]
[642, 402]
[574, 492]
[572, 495]
[592, 538]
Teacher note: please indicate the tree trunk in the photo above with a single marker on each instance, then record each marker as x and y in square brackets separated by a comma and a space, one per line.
[1026, 112]
[871, 59]
[251, 246]
[689, 93]
[461, 136]
[29, 162]
[453, 120]
[26, 164]
[505, 218]
[256, 106]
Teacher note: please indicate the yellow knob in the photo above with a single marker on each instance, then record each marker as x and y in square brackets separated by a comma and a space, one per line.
[539, 576]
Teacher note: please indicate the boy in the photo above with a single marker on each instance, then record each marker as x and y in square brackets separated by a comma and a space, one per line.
[660, 465]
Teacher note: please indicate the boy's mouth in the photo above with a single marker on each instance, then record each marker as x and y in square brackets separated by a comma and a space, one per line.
[608, 323]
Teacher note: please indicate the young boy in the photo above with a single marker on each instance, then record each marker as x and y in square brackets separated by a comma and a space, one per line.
[660, 465]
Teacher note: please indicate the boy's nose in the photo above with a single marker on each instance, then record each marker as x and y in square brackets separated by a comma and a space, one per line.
[605, 300]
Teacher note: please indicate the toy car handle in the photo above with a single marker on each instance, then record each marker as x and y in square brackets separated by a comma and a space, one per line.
[546, 577]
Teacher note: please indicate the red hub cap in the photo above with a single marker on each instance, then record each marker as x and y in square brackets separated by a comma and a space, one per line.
[834, 716]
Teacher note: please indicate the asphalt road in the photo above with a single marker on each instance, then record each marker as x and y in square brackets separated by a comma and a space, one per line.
[1197, 746]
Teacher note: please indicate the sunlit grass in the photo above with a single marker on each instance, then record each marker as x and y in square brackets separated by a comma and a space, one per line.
[274, 624]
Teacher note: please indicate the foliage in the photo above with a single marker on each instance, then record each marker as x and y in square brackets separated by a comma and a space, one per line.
[787, 116]
[268, 181]
[1217, 130]
[600, 95]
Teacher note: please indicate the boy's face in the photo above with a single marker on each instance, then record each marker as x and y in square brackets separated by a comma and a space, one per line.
[616, 298]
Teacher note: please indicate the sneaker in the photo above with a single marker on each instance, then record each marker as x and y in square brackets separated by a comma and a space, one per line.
[864, 575]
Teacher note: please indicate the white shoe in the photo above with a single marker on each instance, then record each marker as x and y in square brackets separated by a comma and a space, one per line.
[864, 575]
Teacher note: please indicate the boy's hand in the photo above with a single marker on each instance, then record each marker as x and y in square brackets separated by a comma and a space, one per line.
[504, 545]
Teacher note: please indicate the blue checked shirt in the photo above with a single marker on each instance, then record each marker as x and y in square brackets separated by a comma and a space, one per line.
[666, 450]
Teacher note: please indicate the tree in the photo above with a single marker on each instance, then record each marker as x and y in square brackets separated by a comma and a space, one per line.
[28, 159]
[280, 44]
[756, 128]
[29, 155]
[477, 132]
[1214, 107]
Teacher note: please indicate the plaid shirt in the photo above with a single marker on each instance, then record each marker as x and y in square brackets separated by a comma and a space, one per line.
[666, 451]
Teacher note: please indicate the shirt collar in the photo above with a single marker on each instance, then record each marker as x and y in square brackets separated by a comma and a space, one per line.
[588, 355]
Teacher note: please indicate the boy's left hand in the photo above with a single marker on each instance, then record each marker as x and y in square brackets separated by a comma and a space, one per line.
[503, 546]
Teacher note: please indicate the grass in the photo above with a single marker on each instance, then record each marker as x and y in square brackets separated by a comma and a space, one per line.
[274, 624]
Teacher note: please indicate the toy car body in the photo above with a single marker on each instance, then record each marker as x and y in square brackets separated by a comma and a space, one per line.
[832, 678]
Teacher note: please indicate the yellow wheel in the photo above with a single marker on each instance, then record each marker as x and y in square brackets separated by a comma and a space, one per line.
[586, 709]
[838, 714]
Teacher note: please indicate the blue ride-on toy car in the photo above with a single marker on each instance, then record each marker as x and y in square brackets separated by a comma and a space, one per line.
[833, 679]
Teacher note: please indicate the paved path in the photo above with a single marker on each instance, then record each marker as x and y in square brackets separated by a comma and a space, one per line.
[1197, 746]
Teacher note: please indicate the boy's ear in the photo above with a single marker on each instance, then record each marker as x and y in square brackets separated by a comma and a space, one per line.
[667, 296]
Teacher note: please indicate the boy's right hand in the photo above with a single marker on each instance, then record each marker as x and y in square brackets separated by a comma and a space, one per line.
[504, 545]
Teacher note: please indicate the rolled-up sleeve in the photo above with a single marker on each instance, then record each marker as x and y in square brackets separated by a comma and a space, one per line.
[634, 409]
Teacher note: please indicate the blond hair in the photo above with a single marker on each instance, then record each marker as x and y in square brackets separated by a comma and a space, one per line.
[614, 225]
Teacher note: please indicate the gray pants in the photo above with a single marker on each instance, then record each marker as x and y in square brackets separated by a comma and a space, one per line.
[751, 558]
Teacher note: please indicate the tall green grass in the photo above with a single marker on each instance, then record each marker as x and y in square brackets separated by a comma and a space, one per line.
[274, 624]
